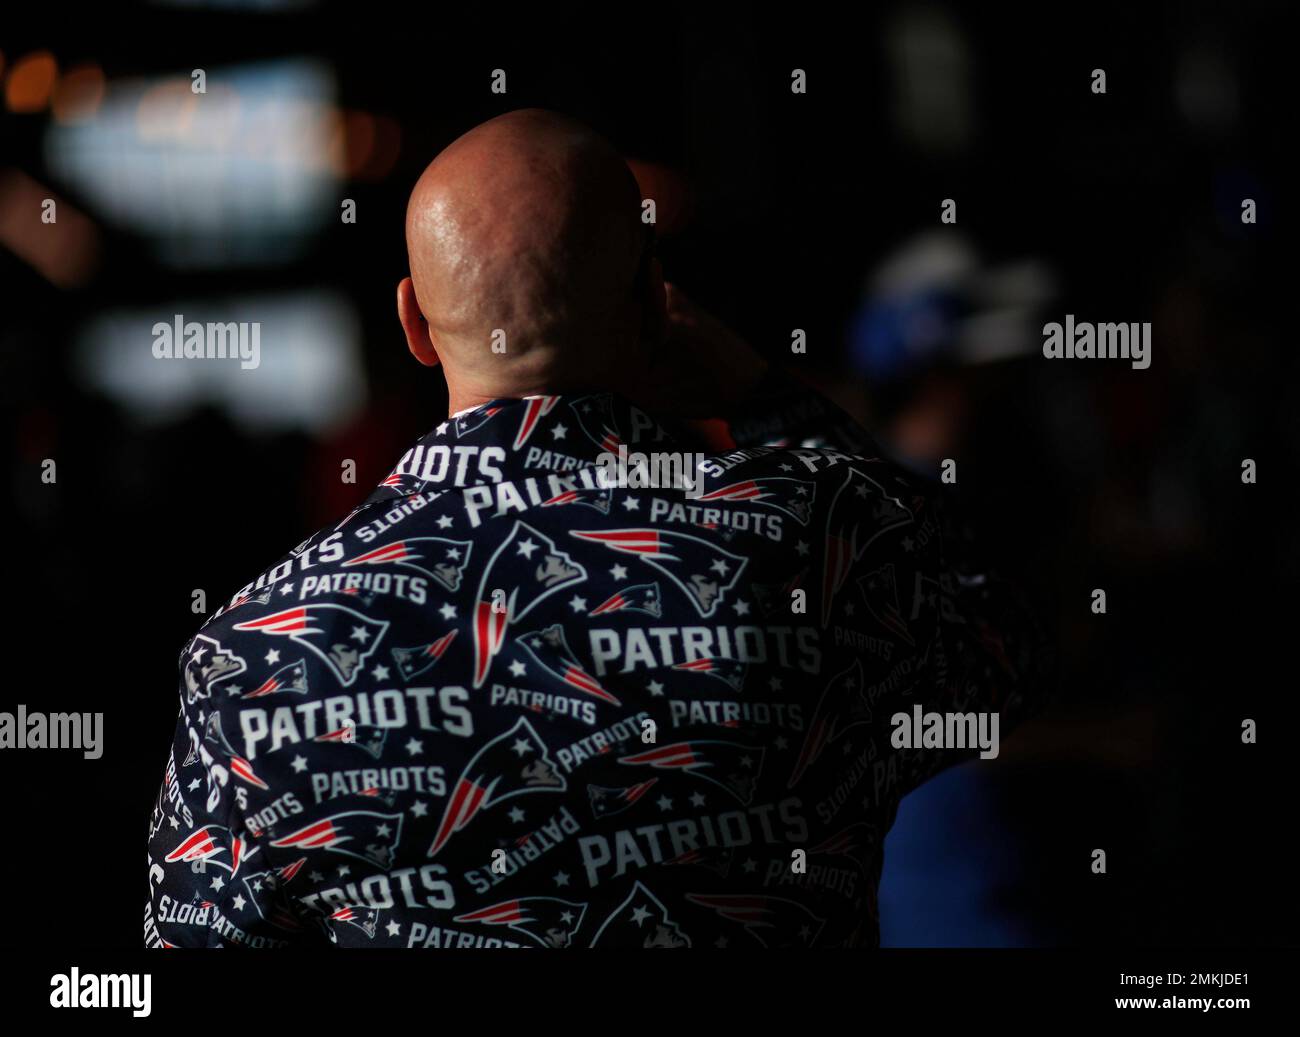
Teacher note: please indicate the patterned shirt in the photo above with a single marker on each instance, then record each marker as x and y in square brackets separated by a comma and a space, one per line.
[513, 700]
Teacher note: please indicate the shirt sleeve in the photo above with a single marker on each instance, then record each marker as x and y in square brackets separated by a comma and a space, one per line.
[982, 662]
[944, 638]
[206, 885]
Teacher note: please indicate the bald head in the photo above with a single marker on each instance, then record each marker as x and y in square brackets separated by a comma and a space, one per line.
[529, 224]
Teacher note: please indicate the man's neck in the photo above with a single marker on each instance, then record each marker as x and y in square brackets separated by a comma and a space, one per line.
[458, 401]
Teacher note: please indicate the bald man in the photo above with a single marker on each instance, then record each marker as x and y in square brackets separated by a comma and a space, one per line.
[564, 679]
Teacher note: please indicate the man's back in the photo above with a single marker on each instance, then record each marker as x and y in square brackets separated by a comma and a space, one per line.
[504, 703]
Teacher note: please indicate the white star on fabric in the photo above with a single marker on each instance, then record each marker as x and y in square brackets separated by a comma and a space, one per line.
[448, 611]
[517, 669]
[578, 604]
[618, 572]
[299, 764]
[360, 634]
[272, 657]
[380, 673]
[526, 548]
[444, 521]
[441, 429]
[286, 589]
[631, 503]
[559, 431]
[414, 747]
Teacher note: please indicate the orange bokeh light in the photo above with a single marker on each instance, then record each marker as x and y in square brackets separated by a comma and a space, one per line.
[31, 82]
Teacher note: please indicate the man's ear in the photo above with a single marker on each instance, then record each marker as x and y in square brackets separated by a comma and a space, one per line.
[419, 337]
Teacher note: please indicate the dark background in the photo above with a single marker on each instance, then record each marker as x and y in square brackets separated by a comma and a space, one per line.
[774, 209]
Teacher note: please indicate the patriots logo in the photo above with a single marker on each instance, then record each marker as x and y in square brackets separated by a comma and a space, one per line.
[364, 918]
[369, 739]
[413, 661]
[728, 671]
[527, 567]
[848, 842]
[243, 770]
[438, 558]
[512, 764]
[595, 415]
[843, 705]
[640, 921]
[880, 591]
[548, 921]
[717, 861]
[705, 573]
[376, 793]
[775, 922]
[606, 802]
[775, 598]
[598, 498]
[641, 597]
[537, 408]
[205, 846]
[291, 678]
[208, 664]
[213, 734]
[366, 835]
[474, 419]
[402, 484]
[315, 627]
[245, 599]
[726, 764]
[265, 891]
[793, 497]
[848, 534]
[551, 652]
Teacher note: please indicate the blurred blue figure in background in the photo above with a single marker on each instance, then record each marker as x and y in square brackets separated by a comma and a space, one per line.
[931, 314]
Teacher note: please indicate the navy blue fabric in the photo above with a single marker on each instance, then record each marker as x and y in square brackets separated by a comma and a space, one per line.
[502, 704]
